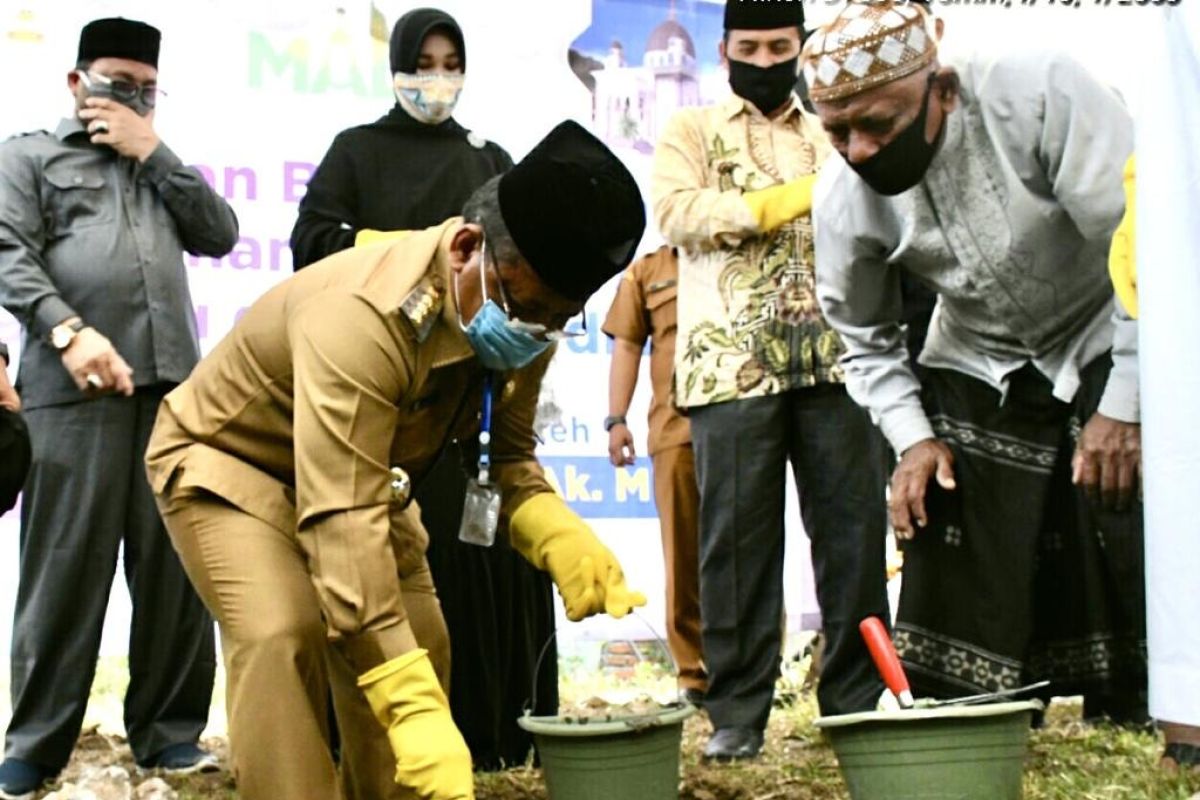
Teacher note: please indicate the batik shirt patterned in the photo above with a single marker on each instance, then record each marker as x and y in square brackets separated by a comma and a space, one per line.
[749, 323]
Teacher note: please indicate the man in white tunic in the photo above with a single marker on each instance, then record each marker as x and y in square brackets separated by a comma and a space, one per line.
[1168, 245]
[998, 185]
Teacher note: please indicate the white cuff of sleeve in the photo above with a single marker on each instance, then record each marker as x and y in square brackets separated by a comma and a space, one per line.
[1120, 400]
[905, 427]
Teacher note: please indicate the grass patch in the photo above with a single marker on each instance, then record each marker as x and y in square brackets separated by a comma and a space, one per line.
[1068, 760]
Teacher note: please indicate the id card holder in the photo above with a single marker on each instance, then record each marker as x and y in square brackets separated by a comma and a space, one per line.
[481, 508]
[481, 513]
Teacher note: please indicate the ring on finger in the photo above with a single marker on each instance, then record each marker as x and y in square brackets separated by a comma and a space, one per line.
[100, 127]
[94, 381]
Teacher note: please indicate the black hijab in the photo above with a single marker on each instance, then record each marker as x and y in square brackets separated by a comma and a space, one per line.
[409, 34]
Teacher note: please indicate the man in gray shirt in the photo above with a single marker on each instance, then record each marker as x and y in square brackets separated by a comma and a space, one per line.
[94, 219]
[997, 184]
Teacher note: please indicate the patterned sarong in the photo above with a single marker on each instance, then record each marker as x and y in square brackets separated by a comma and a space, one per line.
[1018, 577]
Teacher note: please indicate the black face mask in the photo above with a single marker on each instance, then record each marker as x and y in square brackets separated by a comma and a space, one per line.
[766, 87]
[901, 163]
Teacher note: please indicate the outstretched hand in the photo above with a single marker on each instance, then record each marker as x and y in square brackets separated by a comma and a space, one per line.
[920, 463]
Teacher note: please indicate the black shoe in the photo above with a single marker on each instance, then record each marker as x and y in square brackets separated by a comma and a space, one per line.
[182, 759]
[692, 696]
[1182, 756]
[20, 780]
[733, 744]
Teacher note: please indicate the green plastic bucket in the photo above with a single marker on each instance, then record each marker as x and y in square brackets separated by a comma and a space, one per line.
[947, 753]
[632, 757]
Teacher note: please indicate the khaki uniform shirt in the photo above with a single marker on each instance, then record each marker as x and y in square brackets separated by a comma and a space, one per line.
[749, 323]
[353, 366]
[644, 308]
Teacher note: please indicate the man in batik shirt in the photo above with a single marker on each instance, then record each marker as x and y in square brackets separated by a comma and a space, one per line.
[757, 371]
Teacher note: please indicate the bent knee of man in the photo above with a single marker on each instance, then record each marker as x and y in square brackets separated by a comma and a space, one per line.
[281, 632]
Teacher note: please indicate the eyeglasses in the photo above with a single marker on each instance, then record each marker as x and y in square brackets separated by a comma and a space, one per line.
[535, 329]
[123, 91]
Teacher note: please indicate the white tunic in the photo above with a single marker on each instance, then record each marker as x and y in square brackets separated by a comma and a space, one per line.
[1011, 226]
[1168, 258]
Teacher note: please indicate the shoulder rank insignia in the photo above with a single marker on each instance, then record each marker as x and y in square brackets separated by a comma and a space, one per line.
[422, 307]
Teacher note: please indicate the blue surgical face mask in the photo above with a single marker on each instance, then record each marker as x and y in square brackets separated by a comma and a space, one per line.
[499, 345]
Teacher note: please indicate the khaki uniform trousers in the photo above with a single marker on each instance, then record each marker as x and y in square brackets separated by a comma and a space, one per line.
[279, 665]
[678, 499]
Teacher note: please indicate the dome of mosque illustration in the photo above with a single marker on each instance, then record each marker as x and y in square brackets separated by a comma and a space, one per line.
[661, 36]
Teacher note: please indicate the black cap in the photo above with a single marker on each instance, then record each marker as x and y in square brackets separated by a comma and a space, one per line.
[763, 15]
[117, 37]
[409, 34]
[573, 210]
[15, 455]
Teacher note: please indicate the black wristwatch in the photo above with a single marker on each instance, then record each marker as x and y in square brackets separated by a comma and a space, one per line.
[611, 422]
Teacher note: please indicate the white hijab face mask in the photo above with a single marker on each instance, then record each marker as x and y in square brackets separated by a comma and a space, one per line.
[429, 97]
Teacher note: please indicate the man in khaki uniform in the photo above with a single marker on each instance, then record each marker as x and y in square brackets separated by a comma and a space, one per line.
[644, 308]
[284, 465]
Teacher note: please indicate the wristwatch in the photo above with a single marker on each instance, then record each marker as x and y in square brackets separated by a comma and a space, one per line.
[611, 422]
[64, 333]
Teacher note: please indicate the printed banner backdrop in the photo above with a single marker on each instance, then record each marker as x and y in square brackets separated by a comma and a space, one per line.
[256, 90]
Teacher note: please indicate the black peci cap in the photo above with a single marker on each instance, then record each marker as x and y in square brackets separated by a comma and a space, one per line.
[763, 15]
[117, 37]
[573, 210]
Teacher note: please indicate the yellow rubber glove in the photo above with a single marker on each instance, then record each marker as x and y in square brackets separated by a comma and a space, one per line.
[370, 236]
[431, 757]
[1122, 257]
[776, 206]
[553, 538]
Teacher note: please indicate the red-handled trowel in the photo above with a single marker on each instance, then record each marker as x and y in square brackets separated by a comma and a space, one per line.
[879, 644]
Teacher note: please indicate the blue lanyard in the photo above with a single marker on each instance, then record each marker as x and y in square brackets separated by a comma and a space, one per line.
[485, 430]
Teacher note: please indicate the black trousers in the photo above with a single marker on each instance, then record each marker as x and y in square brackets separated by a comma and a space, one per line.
[86, 495]
[742, 450]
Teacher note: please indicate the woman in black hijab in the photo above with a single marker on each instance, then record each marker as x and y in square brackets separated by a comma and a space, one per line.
[413, 168]
[401, 172]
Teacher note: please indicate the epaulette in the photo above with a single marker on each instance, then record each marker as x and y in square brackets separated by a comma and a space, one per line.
[423, 305]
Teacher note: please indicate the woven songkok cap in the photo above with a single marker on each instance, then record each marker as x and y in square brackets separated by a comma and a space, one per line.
[870, 43]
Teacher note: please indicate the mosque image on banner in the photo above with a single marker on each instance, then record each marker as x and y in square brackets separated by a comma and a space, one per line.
[650, 67]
